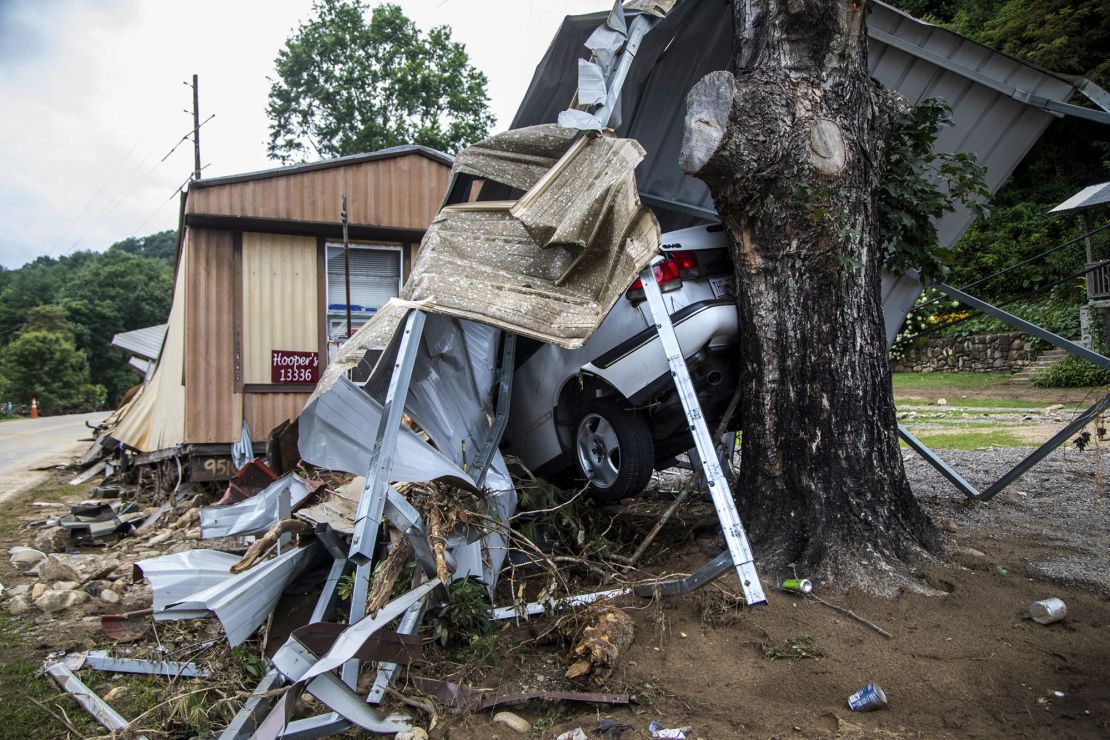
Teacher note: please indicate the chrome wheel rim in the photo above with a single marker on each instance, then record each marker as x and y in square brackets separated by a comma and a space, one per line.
[599, 452]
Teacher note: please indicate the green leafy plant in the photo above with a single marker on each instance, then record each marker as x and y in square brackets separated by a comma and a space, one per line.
[250, 662]
[464, 619]
[1071, 372]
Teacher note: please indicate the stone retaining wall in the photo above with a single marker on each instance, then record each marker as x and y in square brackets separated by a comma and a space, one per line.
[979, 353]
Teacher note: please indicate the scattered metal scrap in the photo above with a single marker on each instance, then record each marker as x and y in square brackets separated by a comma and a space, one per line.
[97, 708]
[460, 698]
[99, 660]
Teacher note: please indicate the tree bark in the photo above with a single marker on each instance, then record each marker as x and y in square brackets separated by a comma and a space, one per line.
[792, 147]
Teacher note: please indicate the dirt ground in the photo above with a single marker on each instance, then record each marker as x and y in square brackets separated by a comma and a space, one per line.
[966, 664]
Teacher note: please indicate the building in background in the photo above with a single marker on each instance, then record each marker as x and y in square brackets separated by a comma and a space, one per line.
[260, 297]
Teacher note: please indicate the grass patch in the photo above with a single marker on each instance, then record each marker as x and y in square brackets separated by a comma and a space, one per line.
[951, 381]
[970, 440]
[18, 681]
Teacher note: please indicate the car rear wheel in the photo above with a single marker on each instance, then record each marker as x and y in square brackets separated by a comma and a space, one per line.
[613, 450]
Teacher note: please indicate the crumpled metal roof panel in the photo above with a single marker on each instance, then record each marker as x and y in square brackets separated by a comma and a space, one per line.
[696, 38]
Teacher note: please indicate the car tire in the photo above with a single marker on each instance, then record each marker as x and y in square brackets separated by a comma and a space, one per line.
[612, 448]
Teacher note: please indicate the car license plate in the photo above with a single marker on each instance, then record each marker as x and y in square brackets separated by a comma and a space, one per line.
[722, 287]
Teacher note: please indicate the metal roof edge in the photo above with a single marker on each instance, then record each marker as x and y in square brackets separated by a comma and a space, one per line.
[324, 164]
[1095, 93]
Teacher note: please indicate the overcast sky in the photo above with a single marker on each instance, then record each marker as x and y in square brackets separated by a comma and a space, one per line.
[93, 99]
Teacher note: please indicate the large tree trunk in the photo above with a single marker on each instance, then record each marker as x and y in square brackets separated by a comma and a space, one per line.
[792, 148]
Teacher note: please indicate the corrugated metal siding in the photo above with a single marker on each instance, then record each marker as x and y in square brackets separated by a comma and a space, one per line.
[155, 418]
[402, 192]
[280, 302]
[696, 38]
[264, 411]
[213, 410]
[145, 343]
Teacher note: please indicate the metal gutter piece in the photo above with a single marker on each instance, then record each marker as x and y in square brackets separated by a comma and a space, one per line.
[99, 660]
[537, 607]
[243, 601]
[348, 644]
[1024, 96]
[257, 514]
[97, 708]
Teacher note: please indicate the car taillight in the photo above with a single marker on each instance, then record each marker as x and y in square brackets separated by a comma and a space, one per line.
[667, 274]
[687, 262]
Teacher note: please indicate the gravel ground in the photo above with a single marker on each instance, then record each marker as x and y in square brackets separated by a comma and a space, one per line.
[1055, 519]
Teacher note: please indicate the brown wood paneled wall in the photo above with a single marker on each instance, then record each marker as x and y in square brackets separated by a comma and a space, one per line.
[266, 410]
[213, 410]
[401, 192]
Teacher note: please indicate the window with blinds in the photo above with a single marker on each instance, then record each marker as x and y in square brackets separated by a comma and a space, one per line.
[375, 278]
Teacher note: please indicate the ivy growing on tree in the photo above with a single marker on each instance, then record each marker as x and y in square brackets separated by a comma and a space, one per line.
[348, 84]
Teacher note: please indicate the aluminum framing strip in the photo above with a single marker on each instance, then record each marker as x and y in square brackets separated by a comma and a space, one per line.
[536, 607]
[360, 591]
[1041, 452]
[1015, 472]
[712, 570]
[406, 519]
[484, 457]
[99, 660]
[96, 707]
[368, 517]
[1018, 323]
[246, 719]
[742, 557]
[1024, 96]
[639, 28]
[410, 623]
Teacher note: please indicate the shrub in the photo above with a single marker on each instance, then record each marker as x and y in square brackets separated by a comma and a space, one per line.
[1071, 372]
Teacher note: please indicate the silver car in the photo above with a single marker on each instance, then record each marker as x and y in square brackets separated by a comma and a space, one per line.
[608, 412]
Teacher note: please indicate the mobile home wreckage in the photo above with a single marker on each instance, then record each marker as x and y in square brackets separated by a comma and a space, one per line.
[259, 300]
[543, 228]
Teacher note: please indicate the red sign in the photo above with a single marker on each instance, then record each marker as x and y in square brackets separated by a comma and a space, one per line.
[297, 368]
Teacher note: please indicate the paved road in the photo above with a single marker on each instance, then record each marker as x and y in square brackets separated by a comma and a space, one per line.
[33, 443]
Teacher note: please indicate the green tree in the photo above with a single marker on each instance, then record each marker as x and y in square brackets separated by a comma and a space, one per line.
[49, 318]
[346, 85]
[118, 292]
[48, 367]
[162, 245]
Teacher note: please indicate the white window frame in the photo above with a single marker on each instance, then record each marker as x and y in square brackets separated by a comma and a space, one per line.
[364, 316]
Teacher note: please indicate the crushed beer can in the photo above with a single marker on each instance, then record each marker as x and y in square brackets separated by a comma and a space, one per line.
[868, 698]
[1048, 611]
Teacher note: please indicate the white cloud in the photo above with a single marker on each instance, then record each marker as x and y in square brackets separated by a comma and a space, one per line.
[93, 98]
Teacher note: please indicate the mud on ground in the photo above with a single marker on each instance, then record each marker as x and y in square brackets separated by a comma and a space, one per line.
[968, 664]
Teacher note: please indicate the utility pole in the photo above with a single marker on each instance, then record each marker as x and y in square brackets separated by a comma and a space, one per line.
[196, 130]
[346, 263]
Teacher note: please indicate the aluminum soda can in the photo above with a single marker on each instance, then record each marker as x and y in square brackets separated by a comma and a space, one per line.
[1048, 611]
[866, 699]
[801, 585]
